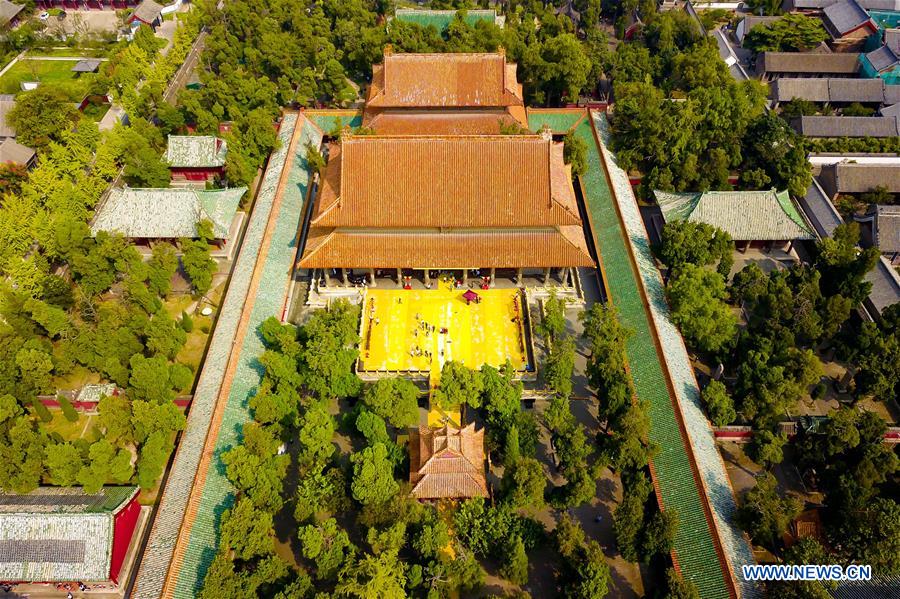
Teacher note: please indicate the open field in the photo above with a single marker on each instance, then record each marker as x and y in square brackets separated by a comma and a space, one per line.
[402, 330]
[57, 73]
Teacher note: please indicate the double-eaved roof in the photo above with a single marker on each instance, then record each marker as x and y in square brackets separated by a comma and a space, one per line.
[447, 463]
[500, 201]
[745, 215]
[167, 213]
[59, 533]
[443, 94]
[196, 151]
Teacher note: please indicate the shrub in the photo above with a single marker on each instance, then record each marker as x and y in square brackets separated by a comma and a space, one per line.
[187, 323]
[68, 409]
[41, 410]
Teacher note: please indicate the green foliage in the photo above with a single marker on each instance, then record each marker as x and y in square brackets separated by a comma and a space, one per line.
[553, 318]
[315, 162]
[843, 265]
[575, 153]
[327, 545]
[791, 33]
[765, 514]
[773, 147]
[605, 369]
[315, 435]
[459, 385]
[67, 409]
[766, 448]
[329, 341]
[162, 266]
[197, 263]
[152, 460]
[105, 464]
[247, 530]
[515, 566]
[373, 475]
[584, 573]
[524, 482]
[40, 116]
[680, 588]
[698, 308]
[395, 400]
[487, 530]
[628, 518]
[658, 536]
[559, 367]
[718, 403]
[63, 462]
[700, 244]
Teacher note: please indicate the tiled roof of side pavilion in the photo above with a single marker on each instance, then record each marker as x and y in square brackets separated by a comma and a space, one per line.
[197, 151]
[167, 213]
[447, 463]
[745, 215]
[59, 533]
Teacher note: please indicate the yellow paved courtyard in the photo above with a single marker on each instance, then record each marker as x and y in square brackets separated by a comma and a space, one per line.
[420, 330]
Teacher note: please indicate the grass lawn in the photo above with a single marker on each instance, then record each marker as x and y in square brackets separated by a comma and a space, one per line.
[96, 112]
[81, 428]
[91, 52]
[57, 73]
[78, 378]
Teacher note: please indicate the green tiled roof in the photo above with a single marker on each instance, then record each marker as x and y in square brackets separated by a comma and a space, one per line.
[167, 213]
[745, 215]
[694, 545]
[58, 533]
[196, 151]
[441, 19]
[65, 500]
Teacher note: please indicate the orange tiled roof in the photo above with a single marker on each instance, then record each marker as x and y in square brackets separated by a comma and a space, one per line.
[543, 247]
[443, 81]
[461, 181]
[447, 462]
[439, 122]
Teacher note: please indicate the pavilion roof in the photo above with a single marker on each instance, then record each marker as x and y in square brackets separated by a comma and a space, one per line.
[167, 213]
[444, 81]
[447, 462]
[461, 181]
[59, 533]
[197, 151]
[745, 215]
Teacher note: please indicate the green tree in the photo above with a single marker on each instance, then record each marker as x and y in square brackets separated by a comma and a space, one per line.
[658, 536]
[575, 153]
[152, 459]
[164, 336]
[719, 405]
[805, 551]
[790, 33]
[63, 462]
[688, 242]
[395, 400]
[381, 575]
[628, 518]
[843, 265]
[765, 514]
[771, 145]
[196, 260]
[373, 476]
[327, 545]
[247, 530]
[515, 566]
[560, 366]
[315, 436]
[459, 385]
[524, 483]
[41, 116]
[105, 464]
[705, 320]
[678, 587]
[162, 266]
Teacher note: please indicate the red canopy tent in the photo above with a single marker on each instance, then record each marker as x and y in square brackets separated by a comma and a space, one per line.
[471, 296]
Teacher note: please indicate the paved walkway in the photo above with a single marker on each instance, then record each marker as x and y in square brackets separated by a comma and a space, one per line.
[184, 540]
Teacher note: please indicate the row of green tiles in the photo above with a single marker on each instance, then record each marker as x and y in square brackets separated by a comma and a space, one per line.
[217, 491]
[693, 544]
